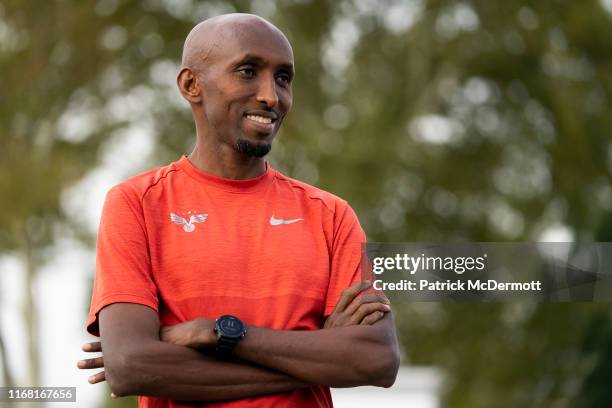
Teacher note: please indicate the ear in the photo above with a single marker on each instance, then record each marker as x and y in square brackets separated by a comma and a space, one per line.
[189, 85]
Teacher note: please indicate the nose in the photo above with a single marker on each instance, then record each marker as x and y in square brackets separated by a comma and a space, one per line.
[267, 92]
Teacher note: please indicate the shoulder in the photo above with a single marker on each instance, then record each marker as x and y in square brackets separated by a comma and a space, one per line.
[312, 194]
[337, 215]
[136, 187]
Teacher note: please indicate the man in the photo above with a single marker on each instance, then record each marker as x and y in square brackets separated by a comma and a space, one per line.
[218, 279]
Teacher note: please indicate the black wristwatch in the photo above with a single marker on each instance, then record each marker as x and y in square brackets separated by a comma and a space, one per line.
[230, 330]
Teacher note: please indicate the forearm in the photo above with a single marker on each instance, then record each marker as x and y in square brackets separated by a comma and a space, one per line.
[339, 357]
[179, 373]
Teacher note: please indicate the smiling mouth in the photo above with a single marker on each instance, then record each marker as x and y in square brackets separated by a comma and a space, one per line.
[260, 119]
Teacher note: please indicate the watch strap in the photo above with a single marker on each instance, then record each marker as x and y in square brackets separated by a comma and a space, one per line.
[228, 338]
[226, 345]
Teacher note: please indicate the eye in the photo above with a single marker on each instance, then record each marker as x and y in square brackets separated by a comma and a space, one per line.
[283, 79]
[247, 71]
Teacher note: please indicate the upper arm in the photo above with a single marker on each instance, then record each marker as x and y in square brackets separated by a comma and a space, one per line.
[386, 326]
[385, 363]
[125, 328]
[345, 264]
[123, 267]
[122, 324]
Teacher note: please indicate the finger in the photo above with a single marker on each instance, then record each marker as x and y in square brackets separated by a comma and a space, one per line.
[374, 297]
[93, 347]
[366, 309]
[91, 363]
[353, 306]
[96, 378]
[372, 318]
[369, 298]
[349, 294]
[164, 333]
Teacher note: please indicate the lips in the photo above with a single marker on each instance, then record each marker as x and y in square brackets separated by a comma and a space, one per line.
[261, 121]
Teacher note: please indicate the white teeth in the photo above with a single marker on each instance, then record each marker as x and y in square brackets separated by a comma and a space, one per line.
[259, 119]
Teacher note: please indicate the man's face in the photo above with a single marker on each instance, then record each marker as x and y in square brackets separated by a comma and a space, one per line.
[247, 88]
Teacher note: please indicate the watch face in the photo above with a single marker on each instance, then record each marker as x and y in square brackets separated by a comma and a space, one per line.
[230, 326]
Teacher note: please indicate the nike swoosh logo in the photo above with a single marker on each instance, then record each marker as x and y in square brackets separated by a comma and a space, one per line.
[278, 221]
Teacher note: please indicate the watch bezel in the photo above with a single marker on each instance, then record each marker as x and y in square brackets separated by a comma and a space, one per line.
[229, 333]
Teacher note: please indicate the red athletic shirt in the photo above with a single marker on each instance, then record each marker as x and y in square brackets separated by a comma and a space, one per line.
[271, 250]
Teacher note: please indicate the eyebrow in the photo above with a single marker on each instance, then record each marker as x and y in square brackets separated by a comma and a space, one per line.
[255, 59]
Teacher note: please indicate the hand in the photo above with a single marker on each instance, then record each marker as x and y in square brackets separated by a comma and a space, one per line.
[97, 362]
[92, 363]
[196, 333]
[352, 309]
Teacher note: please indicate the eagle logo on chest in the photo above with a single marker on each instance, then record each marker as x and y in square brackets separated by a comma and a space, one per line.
[193, 220]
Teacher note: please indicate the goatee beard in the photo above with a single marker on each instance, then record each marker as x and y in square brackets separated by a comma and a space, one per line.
[253, 149]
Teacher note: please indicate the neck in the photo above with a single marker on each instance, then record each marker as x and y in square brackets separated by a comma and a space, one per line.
[224, 161]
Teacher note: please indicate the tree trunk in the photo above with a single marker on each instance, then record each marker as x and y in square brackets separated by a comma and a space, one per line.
[29, 312]
[6, 374]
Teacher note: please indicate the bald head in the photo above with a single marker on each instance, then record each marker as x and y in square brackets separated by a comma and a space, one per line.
[212, 34]
[236, 73]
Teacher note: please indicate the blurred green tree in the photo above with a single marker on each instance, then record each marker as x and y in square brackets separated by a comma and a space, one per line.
[43, 66]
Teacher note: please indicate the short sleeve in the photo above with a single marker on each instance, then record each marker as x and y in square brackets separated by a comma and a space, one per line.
[346, 254]
[123, 267]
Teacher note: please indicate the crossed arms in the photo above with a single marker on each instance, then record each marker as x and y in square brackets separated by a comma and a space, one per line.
[357, 346]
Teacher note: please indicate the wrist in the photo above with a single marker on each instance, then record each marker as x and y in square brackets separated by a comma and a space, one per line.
[204, 336]
[229, 331]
